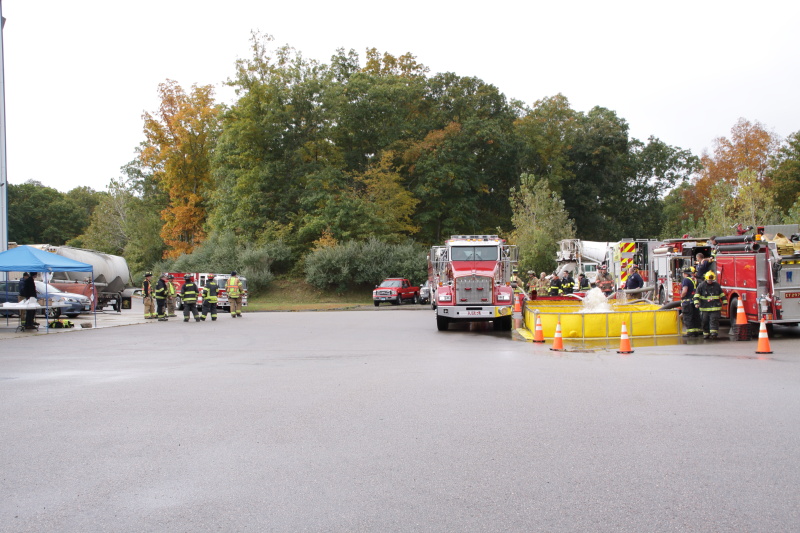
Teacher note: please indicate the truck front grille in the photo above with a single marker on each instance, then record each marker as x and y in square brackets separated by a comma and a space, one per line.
[472, 290]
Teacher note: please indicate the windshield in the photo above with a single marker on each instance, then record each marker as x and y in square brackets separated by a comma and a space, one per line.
[391, 283]
[473, 253]
[40, 286]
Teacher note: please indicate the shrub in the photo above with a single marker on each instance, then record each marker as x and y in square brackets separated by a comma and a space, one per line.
[353, 264]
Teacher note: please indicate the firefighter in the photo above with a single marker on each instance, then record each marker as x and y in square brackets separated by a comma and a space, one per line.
[532, 284]
[583, 283]
[710, 299]
[147, 295]
[161, 297]
[567, 283]
[604, 281]
[210, 298]
[691, 314]
[634, 280]
[703, 265]
[172, 290]
[189, 297]
[555, 286]
[235, 292]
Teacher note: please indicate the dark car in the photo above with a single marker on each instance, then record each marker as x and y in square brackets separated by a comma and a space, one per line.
[67, 303]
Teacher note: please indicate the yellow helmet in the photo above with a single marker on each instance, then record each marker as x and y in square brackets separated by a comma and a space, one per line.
[710, 275]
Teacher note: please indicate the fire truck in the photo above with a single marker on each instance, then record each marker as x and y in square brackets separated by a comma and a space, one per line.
[200, 279]
[471, 276]
[761, 273]
[618, 257]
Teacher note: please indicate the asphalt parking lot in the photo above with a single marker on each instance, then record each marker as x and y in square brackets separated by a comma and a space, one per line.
[372, 420]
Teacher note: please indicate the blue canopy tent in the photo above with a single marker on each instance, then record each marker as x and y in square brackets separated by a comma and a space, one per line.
[29, 259]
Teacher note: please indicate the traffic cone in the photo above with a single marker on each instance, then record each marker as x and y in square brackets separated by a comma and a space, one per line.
[763, 339]
[558, 342]
[518, 303]
[624, 341]
[741, 317]
[538, 334]
[742, 328]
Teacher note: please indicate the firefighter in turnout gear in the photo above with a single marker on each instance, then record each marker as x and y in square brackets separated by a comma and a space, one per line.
[189, 298]
[691, 314]
[147, 296]
[555, 286]
[210, 298]
[604, 281]
[567, 283]
[171, 292]
[234, 289]
[161, 297]
[710, 299]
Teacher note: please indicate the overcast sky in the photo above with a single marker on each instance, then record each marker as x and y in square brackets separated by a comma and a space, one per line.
[79, 74]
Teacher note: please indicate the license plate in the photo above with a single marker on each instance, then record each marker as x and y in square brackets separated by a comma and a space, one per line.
[791, 294]
[474, 313]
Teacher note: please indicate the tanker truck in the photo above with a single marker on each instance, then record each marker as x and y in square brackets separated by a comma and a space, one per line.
[111, 286]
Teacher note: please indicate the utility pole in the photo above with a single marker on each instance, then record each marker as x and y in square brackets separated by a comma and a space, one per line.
[3, 154]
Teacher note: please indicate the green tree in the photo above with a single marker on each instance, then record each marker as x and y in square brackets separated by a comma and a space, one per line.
[43, 215]
[539, 220]
[785, 173]
[127, 220]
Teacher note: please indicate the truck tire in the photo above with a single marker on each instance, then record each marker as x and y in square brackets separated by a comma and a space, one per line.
[376, 302]
[442, 323]
[398, 301]
[416, 299]
[502, 323]
[178, 303]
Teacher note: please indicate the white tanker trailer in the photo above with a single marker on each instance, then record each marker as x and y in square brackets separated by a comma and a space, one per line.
[112, 277]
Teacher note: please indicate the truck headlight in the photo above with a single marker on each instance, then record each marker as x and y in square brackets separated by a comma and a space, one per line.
[503, 297]
[445, 297]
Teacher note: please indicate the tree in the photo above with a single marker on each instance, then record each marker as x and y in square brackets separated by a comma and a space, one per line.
[785, 173]
[273, 139]
[750, 148]
[43, 215]
[127, 220]
[177, 150]
[540, 220]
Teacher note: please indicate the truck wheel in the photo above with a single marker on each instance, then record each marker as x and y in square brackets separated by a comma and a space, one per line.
[377, 303]
[503, 323]
[442, 323]
[178, 304]
[398, 301]
[416, 299]
[733, 308]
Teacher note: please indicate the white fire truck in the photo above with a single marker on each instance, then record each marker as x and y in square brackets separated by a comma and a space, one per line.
[618, 257]
[471, 276]
[200, 279]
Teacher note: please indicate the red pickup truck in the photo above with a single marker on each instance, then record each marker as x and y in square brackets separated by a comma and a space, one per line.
[396, 291]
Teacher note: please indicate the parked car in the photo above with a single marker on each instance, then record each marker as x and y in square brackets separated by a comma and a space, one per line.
[425, 293]
[68, 303]
[395, 291]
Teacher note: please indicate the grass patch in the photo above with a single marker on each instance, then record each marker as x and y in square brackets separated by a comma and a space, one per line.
[297, 295]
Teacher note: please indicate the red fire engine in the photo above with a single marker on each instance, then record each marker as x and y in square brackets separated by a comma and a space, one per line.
[762, 274]
[200, 279]
[471, 276]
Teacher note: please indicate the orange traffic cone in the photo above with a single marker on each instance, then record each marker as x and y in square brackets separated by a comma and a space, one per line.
[763, 339]
[558, 342]
[518, 303]
[741, 328]
[741, 316]
[538, 334]
[624, 341]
